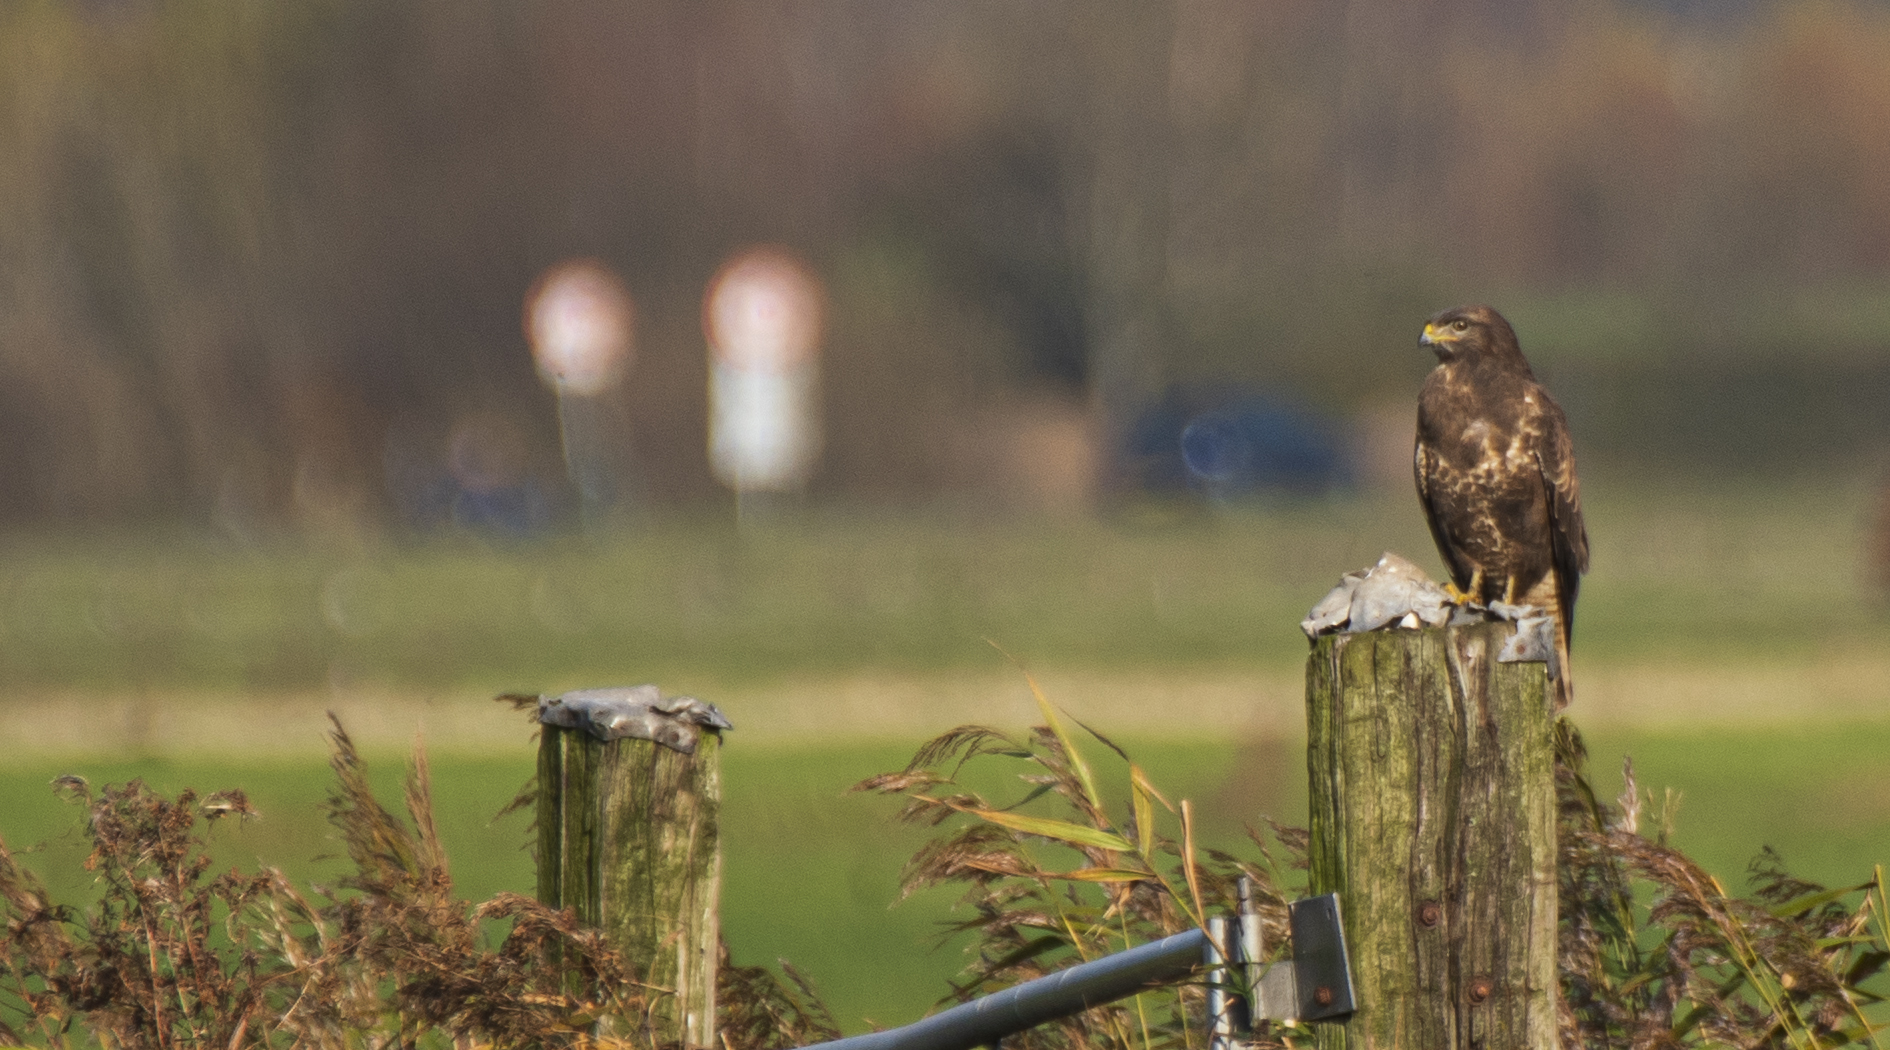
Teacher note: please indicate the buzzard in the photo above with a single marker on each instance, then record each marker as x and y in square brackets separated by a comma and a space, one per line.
[1496, 474]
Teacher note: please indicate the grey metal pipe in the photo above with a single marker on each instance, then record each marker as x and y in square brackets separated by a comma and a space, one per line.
[986, 1020]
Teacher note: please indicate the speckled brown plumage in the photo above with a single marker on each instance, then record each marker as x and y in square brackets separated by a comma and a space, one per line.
[1496, 474]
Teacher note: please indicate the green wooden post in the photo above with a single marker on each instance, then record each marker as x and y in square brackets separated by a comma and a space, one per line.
[1433, 819]
[627, 836]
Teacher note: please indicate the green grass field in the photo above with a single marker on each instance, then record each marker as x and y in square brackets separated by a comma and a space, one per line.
[1755, 570]
[1727, 638]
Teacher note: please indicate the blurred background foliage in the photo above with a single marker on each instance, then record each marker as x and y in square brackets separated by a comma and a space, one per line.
[261, 265]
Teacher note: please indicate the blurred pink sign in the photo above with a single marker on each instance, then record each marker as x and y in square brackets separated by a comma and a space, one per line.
[763, 311]
[579, 320]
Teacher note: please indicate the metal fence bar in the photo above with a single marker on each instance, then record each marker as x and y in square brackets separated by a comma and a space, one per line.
[1220, 1012]
[986, 1020]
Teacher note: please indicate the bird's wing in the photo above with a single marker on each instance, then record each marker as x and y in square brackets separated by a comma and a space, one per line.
[1568, 536]
[1424, 465]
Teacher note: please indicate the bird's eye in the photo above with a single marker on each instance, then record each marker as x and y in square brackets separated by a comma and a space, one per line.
[1460, 325]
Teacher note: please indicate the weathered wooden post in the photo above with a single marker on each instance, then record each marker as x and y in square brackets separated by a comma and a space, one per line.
[629, 793]
[1433, 819]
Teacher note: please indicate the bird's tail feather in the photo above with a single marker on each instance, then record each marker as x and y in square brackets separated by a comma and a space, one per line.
[1559, 681]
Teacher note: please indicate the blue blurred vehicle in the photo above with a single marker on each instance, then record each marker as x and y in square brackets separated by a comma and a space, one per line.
[1228, 443]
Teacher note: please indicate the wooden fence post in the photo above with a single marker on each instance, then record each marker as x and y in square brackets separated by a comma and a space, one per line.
[1433, 819]
[627, 836]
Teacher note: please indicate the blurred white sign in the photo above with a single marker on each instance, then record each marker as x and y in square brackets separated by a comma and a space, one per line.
[579, 319]
[762, 317]
[763, 434]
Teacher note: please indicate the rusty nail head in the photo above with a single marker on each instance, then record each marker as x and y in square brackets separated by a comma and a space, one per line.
[1480, 989]
[1430, 914]
[1322, 995]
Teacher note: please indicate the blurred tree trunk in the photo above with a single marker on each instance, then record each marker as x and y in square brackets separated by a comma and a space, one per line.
[1131, 135]
[1386, 97]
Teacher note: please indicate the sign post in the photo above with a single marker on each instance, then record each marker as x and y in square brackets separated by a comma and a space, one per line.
[762, 316]
[580, 321]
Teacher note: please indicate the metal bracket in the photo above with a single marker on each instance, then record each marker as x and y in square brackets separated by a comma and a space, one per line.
[1317, 982]
[1314, 985]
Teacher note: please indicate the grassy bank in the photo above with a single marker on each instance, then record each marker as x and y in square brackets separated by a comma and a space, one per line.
[1733, 572]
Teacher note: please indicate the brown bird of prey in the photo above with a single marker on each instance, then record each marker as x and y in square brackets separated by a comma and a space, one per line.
[1496, 474]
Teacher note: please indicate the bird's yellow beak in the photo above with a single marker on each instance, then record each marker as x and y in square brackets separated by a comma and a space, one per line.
[1434, 335]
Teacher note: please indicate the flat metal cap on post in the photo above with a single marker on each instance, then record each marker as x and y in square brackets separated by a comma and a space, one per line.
[639, 711]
